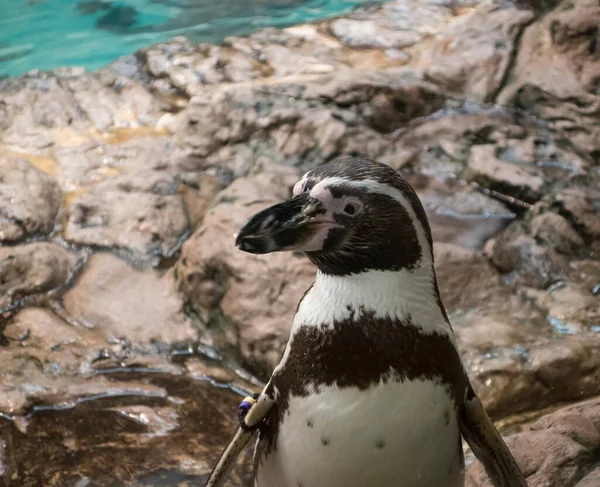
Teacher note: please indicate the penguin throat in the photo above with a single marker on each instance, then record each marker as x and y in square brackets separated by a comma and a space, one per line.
[406, 296]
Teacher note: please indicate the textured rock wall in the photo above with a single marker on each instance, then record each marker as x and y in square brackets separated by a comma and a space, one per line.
[121, 189]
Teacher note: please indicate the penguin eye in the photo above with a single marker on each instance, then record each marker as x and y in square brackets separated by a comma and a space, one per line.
[352, 208]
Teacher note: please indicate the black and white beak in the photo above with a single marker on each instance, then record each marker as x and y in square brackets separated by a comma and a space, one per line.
[299, 223]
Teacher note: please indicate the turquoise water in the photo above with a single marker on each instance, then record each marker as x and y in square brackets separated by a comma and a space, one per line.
[46, 34]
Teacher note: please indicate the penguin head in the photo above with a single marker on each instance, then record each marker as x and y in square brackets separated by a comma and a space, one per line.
[349, 215]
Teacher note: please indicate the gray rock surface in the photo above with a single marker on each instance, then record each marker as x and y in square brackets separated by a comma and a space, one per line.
[122, 303]
[472, 53]
[29, 200]
[32, 269]
[141, 213]
[305, 124]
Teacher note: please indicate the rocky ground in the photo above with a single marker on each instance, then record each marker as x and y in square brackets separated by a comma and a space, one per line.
[129, 320]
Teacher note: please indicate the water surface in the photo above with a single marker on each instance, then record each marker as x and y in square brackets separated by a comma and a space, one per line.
[46, 34]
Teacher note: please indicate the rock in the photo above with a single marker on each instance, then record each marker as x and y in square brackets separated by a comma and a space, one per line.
[248, 301]
[558, 61]
[586, 272]
[285, 62]
[532, 264]
[109, 101]
[559, 449]
[40, 328]
[199, 191]
[393, 24]
[119, 301]
[93, 162]
[497, 148]
[571, 307]
[140, 213]
[582, 207]
[29, 200]
[514, 357]
[538, 375]
[472, 53]
[440, 145]
[41, 107]
[140, 432]
[486, 314]
[369, 33]
[178, 67]
[31, 270]
[555, 231]
[26, 383]
[56, 347]
[458, 213]
[304, 124]
[34, 107]
[523, 182]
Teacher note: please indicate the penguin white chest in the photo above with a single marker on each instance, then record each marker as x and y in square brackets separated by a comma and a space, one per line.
[401, 434]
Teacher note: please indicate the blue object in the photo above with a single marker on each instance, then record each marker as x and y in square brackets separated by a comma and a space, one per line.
[245, 406]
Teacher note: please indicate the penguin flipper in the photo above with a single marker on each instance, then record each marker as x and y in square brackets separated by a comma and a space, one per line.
[488, 446]
[219, 475]
[222, 470]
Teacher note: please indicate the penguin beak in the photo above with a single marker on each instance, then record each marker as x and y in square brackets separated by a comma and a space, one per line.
[299, 223]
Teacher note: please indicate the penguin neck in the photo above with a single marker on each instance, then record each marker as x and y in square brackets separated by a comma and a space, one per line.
[405, 296]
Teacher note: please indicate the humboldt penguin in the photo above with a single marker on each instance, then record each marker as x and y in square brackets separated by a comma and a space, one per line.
[370, 390]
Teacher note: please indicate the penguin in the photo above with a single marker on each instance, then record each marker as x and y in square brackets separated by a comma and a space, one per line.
[370, 389]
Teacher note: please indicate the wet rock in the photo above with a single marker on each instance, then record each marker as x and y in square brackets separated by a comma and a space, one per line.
[47, 360]
[247, 301]
[141, 213]
[26, 384]
[581, 206]
[485, 313]
[28, 271]
[535, 376]
[553, 230]
[121, 302]
[516, 359]
[439, 145]
[135, 431]
[531, 263]
[458, 213]
[571, 307]
[472, 53]
[559, 449]
[29, 200]
[523, 182]
[558, 61]
[50, 348]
